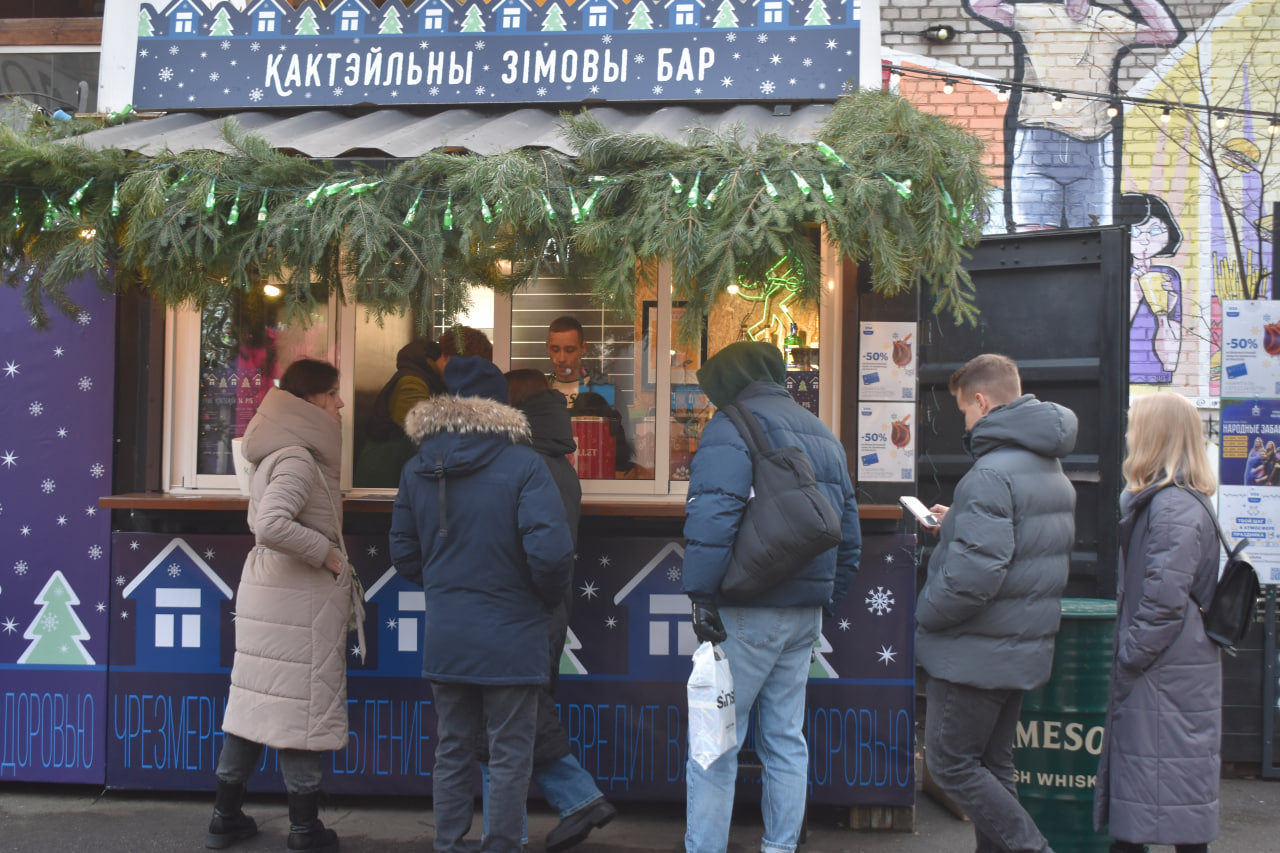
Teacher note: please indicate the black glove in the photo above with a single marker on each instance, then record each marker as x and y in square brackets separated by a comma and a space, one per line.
[707, 626]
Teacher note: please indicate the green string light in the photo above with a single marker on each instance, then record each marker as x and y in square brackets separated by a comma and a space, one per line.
[827, 192]
[676, 187]
[590, 203]
[74, 201]
[950, 205]
[693, 191]
[448, 213]
[573, 207]
[262, 209]
[711, 196]
[498, 207]
[485, 212]
[768, 186]
[357, 189]
[413, 211]
[210, 199]
[831, 154]
[234, 216]
[334, 189]
[17, 211]
[546, 205]
[115, 199]
[313, 195]
[801, 183]
[50, 214]
[903, 187]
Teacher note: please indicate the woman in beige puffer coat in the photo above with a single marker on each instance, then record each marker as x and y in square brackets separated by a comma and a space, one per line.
[293, 609]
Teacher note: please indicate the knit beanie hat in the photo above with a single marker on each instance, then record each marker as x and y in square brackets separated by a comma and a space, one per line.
[473, 376]
[738, 365]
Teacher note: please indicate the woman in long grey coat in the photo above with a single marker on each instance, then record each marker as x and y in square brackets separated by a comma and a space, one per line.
[1158, 773]
[295, 604]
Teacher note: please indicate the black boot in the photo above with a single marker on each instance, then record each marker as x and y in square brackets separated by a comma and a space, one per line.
[229, 824]
[306, 832]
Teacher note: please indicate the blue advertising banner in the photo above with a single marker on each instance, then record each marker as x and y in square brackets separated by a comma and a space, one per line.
[193, 56]
[622, 683]
[1250, 437]
[56, 408]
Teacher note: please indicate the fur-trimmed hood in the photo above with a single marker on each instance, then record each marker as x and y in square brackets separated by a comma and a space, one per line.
[459, 434]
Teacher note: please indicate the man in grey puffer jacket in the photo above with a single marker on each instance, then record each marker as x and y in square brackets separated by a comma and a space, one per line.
[991, 604]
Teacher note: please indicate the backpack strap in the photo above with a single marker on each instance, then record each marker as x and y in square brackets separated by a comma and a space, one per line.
[1208, 507]
[748, 427]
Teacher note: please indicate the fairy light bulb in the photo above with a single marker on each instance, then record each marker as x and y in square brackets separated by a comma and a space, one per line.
[1113, 109]
[1274, 127]
[1002, 94]
[1220, 120]
[1057, 102]
[1165, 115]
[948, 86]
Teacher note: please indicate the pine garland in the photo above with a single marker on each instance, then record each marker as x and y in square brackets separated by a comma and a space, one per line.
[899, 188]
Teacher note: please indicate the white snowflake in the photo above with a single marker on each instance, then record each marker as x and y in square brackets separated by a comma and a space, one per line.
[49, 621]
[889, 558]
[165, 75]
[844, 625]
[124, 614]
[792, 81]
[355, 651]
[84, 318]
[228, 92]
[638, 59]
[121, 580]
[225, 44]
[58, 351]
[174, 570]
[10, 626]
[880, 601]
[9, 459]
[611, 622]
[886, 654]
[737, 56]
[144, 53]
[62, 521]
[480, 45]
[767, 87]
[11, 369]
[731, 37]
[792, 39]
[204, 54]
[208, 553]
[255, 95]
[479, 90]
[337, 91]
[831, 44]
[173, 50]
[255, 47]
[806, 62]
[433, 91]
[62, 432]
[234, 63]
[20, 567]
[91, 511]
[372, 550]
[673, 573]
[24, 530]
[391, 623]
[133, 546]
[85, 383]
[606, 39]
[423, 45]
[395, 93]
[775, 59]
[36, 408]
[697, 91]
[762, 38]
[100, 607]
[605, 559]
[589, 590]
[214, 76]
[657, 90]
[47, 486]
[541, 92]
[95, 552]
[97, 469]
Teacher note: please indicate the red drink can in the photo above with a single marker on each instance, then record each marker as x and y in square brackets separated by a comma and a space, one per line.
[597, 453]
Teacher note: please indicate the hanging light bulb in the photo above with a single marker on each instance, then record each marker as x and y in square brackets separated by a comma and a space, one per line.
[895, 77]
[1057, 101]
[1113, 109]
[1274, 127]
[948, 85]
[1164, 116]
[1002, 94]
[1220, 120]
[270, 290]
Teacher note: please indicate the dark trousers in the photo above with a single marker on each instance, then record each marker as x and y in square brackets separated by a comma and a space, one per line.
[1130, 847]
[505, 717]
[302, 769]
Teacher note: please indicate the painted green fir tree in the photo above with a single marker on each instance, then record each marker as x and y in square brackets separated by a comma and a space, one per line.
[640, 19]
[307, 23]
[817, 15]
[554, 21]
[391, 25]
[145, 28]
[222, 24]
[725, 16]
[56, 633]
[473, 23]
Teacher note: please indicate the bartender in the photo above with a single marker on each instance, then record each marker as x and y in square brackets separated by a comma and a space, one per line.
[586, 396]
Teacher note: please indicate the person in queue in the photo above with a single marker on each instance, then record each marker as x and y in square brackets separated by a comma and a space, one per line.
[1158, 772]
[462, 340]
[992, 600]
[479, 523]
[386, 447]
[769, 641]
[296, 602]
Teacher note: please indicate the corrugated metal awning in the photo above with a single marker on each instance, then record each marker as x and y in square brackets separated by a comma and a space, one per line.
[403, 134]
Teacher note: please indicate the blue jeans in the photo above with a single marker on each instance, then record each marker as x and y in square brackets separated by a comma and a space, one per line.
[505, 716]
[968, 738]
[769, 651]
[567, 787]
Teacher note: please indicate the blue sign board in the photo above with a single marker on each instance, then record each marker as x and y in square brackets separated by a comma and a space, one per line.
[501, 52]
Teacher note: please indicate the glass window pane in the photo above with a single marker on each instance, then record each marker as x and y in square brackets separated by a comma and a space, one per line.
[245, 346]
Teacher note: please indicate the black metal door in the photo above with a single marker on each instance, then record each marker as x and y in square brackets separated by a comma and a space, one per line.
[1055, 302]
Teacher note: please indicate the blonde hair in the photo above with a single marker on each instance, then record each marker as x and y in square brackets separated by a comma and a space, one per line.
[1166, 445]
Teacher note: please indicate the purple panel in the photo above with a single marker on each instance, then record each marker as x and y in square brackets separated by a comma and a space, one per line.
[56, 407]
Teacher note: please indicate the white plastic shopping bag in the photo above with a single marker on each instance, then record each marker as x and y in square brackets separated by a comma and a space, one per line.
[713, 726]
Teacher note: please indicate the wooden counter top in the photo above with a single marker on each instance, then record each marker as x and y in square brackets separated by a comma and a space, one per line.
[591, 504]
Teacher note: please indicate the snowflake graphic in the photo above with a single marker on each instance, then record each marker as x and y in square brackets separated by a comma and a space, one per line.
[20, 567]
[792, 81]
[589, 590]
[611, 622]
[606, 39]
[214, 77]
[605, 559]
[124, 614]
[433, 91]
[11, 369]
[255, 47]
[133, 546]
[100, 607]
[372, 550]
[58, 351]
[165, 75]
[775, 59]
[355, 651]
[144, 53]
[680, 473]
[95, 552]
[209, 553]
[173, 50]
[10, 626]
[49, 621]
[541, 92]
[737, 56]
[337, 91]
[255, 95]
[673, 573]
[204, 54]
[47, 486]
[62, 521]
[762, 38]
[731, 37]
[886, 655]
[767, 87]
[84, 318]
[638, 59]
[844, 625]
[880, 601]
[225, 45]
[85, 383]
[9, 459]
[423, 45]
[62, 432]
[174, 570]
[480, 45]
[121, 580]
[792, 39]
[24, 530]
[91, 511]
[36, 408]
[657, 90]
[391, 623]
[889, 558]
[807, 62]
[831, 44]
[479, 90]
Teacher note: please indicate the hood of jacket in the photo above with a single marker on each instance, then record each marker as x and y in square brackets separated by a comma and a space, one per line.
[1045, 429]
[283, 420]
[727, 373]
[549, 423]
[462, 434]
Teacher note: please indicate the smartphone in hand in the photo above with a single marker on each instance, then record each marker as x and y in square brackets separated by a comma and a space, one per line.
[919, 510]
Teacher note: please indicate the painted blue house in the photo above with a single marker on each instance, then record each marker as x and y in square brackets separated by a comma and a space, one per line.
[683, 14]
[433, 16]
[772, 13]
[267, 17]
[184, 18]
[348, 17]
[597, 15]
[402, 614]
[177, 612]
[660, 634]
[510, 16]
